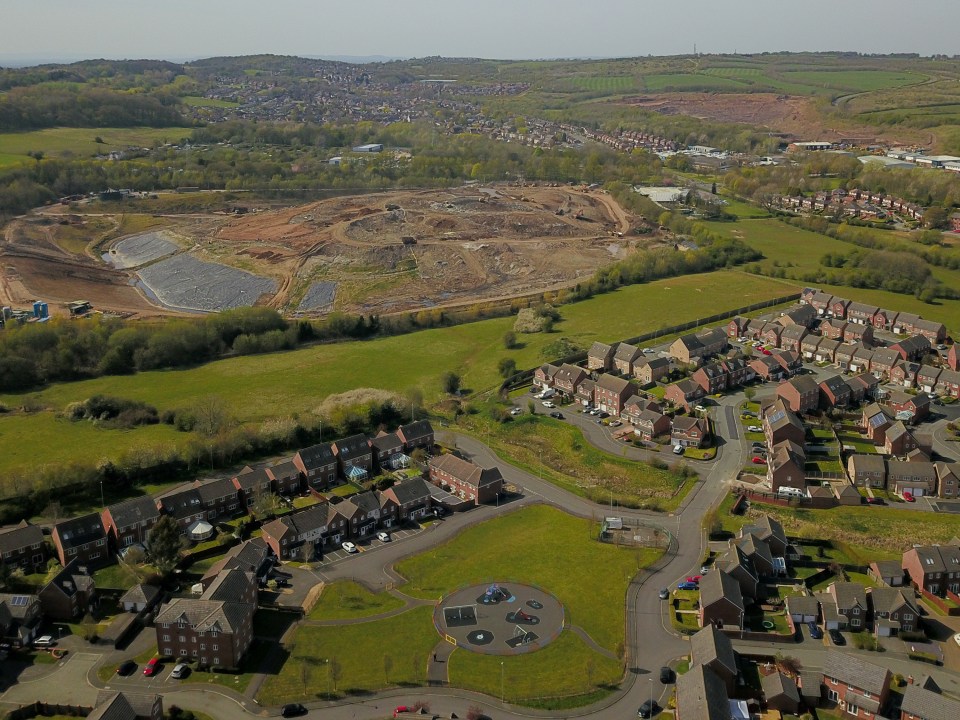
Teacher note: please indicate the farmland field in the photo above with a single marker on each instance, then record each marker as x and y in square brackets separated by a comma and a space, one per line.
[81, 141]
[610, 84]
[854, 80]
[685, 81]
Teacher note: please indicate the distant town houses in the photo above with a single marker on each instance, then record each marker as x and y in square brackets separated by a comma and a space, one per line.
[853, 203]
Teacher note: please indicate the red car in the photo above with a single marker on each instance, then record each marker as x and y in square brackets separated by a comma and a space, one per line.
[759, 461]
[765, 351]
[400, 709]
[695, 578]
[908, 496]
[152, 667]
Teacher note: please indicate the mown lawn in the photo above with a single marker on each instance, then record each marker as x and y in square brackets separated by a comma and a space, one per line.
[541, 546]
[565, 668]
[359, 650]
[557, 452]
[347, 599]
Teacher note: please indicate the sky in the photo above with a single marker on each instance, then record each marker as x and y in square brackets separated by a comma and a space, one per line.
[63, 30]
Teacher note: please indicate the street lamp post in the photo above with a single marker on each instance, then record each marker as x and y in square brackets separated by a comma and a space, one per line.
[651, 696]
[102, 504]
[501, 682]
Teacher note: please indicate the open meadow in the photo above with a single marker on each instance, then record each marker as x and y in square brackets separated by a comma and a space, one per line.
[81, 141]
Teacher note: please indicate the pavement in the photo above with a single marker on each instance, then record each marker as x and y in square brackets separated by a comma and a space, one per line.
[650, 639]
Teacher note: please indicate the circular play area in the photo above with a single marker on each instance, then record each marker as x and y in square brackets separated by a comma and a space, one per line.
[499, 619]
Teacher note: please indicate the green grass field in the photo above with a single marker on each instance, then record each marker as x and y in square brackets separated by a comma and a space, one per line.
[542, 546]
[197, 101]
[81, 141]
[256, 388]
[689, 81]
[608, 84]
[347, 599]
[406, 639]
[854, 80]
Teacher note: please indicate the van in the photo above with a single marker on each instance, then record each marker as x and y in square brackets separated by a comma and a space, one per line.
[791, 492]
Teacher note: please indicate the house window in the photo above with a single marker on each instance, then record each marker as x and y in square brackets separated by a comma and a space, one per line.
[182, 638]
[203, 646]
[216, 647]
[72, 551]
[856, 611]
[216, 661]
[100, 543]
[166, 638]
[907, 617]
[183, 651]
[167, 651]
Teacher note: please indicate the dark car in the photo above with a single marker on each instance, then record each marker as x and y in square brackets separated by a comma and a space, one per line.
[126, 668]
[666, 675]
[557, 415]
[836, 638]
[664, 594]
[876, 501]
[687, 586]
[292, 710]
[815, 632]
[648, 709]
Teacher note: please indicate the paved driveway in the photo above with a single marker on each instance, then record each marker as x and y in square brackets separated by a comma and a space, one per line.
[67, 684]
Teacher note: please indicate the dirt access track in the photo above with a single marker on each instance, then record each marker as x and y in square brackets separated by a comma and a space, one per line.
[372, 253]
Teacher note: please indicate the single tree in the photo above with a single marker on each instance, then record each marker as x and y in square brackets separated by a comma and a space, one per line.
[749, 393]
[510, 340]
[336, 672]
[211, 415]
[713, 189]
[507, 367]
[165, 542]
[387, 667]
[451, 383]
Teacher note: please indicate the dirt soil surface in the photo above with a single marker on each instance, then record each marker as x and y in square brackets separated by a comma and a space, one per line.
[381, 253]
[794, 115]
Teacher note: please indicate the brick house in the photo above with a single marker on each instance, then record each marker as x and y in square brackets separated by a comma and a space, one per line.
[916, 478]
[919, 703]
[600, 357]
[862, 386]
[801, 393]
[721, 601]
[862, 334]
[893, 610]
[22, 546]
[418, 434]
[861, 313]
[861, 360]
[912, 348]
[318, 465]
[69, 595]
[952, 359]
[919, 405]
[883, 361]
[792, 337]
[948, 383]
[935, 332]
[886, 572]
[927, 378]
[466, 479]
[843, 355]
[834, 392]
[649, 371]
[20, 618]
[82, 539]
[363, 514]
[184, 505]
[354, 456]
[129, 522]
[113, 705]
[611, 393]
[851, 601]
[711, 648]
[712, 378]
[412, 498]
[285, 477]
[759, 554]
[250, 484]
[306, 533]
[767, 368]
[838, 306]
[735, 563]
[780, 693]
[215, 629]
[933, 568]
[833, 329]
[860, 689]
[543, 376]
[387, 450]
[220, 497]
[821, 302]
[826, 350]
[802, 315]
[904, 373]
[780, 423]
[808, 347]
[651, 424]
[689, 431]
[635, 406]
[898, 441]
[568, 378]
[770, 531]
[948, 479]
[624, 356]
[691, 348]
[884, 319]
[867, 470]
[683, 394]
[738, 371]
[785, 467]
[736, 326]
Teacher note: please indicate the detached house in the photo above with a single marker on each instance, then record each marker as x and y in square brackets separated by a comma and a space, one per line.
[933, 568]
[721, 601]
[948, 479]
[919, 703]
[801, 393]
[649, 371]
[867, 471]
[69, 595]
[651, 424]
[388, 451]
[568, 378]
[792, 337]
[624, 357]
[912, 348]
[780, 423]
[183, 505]
[20, 618]
[22, 546]
[611, 394]
[860, 689]
[466, 479]
[916, 478]
[689, 432]
[917, 405]
[683, 394]
[834, 392]
[691, 348]
[129, 522]
[894, 611]
[851, 601]
[600, 357]
[81, 539]
[701, 695]
[712, 649]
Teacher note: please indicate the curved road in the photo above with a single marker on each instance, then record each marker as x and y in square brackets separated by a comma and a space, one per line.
[650, 640]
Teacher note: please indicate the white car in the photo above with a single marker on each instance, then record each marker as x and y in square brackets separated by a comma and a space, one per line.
[44, 641]
[754, 428]
[700, 408]
[956, 638]
[615, 423]
[383, 536]
[648, 351]
[349, 547]
[180, 670]
[548, 404]
[678, 449]
[515, 411]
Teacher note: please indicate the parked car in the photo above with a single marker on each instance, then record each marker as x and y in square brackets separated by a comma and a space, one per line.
[515, 411]
[687, 586]
[876, 501]
[594, 411]
[44, 641]
[180, 670]
[666, 675]
[615, 423]
[557, 414]
[349, 547]
[758, 447]
[152, 667]
[548, 404]
[908, 496]
[815, 632]
[765, 351]
[126, 668]
[759, 461]
[836, 638]
[293, 710]
[383, 536]
[695, 578]
[603, 415]
[678, 449]
[755, 428]
[664, 594]
[700, 408]
[648, 709]
[400, 709]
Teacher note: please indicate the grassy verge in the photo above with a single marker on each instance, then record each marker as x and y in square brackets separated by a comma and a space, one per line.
[545, 547]
[347, 599]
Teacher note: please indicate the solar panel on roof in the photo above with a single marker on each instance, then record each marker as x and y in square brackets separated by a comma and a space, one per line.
[20, 600]
[877, 420]
[777, 416]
